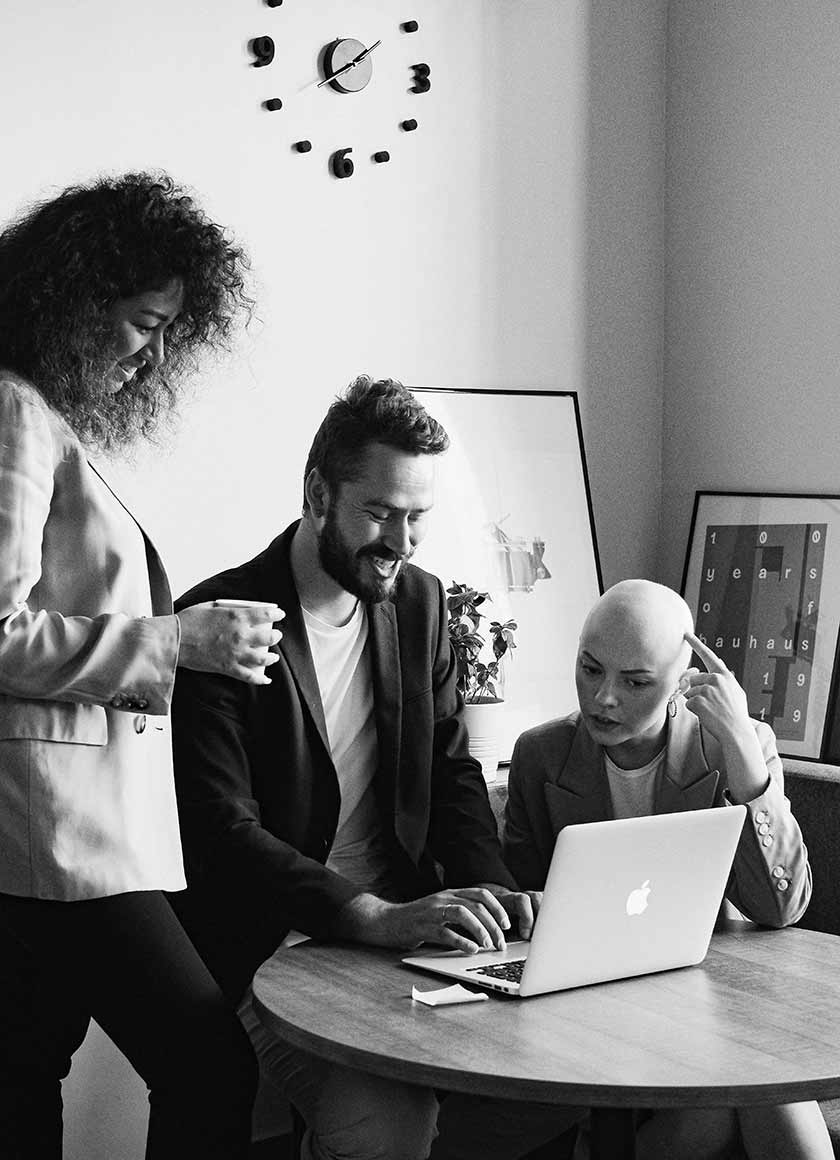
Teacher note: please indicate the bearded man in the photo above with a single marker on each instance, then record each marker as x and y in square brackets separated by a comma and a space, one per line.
[340, 800]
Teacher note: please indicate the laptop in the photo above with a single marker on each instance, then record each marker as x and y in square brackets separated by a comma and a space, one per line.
[622, 898]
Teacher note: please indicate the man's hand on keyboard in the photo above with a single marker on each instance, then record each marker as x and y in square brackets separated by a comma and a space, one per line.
[468, 919]
[521, 906]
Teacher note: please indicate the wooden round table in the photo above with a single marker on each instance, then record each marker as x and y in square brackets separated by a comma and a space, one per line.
[758, 1022]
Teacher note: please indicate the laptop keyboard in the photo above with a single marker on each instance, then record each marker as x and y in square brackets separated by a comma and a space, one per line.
[511, 972]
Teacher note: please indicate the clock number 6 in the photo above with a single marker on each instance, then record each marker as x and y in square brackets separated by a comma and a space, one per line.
[341, 164]
[263, 49]
[420, 79]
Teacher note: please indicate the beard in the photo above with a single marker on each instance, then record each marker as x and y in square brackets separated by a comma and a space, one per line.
[355, 571]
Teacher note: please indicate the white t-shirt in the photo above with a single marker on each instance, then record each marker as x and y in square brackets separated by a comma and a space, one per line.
[633, 791]
[342, 666]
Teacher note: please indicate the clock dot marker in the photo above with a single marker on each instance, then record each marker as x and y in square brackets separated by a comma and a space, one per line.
[381, 156]
[302, 146]
[408, 125]
[409, 26]
[273, 104]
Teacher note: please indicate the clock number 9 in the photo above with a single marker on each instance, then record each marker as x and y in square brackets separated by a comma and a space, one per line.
[341, 164]
[420, 79]
[263, 49]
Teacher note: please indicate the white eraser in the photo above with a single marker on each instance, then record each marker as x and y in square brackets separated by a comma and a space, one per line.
[454, 994]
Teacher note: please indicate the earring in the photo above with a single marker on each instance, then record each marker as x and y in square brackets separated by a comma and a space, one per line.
[672, 705]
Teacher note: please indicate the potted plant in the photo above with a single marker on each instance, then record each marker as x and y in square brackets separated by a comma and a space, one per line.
[478, 679]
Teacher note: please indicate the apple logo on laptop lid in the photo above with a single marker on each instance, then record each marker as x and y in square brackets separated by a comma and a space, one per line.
[637, 900]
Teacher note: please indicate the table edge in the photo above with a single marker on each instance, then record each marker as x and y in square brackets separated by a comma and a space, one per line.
[542, 1090]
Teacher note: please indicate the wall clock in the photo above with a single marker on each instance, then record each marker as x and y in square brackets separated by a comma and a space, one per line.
[349, 100]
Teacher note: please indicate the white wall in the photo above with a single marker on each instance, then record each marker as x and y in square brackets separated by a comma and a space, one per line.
[623, 278]
[514, 240]
[753, 213]
[581, 172]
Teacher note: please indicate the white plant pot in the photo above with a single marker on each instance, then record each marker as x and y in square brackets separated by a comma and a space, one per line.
[484, 725]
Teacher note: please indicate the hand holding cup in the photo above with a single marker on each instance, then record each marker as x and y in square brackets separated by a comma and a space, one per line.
[232, 637]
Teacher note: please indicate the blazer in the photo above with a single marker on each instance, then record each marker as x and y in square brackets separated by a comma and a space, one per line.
[258, 793]
[557, 778]
[88, 647]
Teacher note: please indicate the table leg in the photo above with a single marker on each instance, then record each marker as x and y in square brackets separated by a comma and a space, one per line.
[613, 1134]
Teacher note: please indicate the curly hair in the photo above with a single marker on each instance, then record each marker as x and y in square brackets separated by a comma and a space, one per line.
[65, 262]
[369, 411]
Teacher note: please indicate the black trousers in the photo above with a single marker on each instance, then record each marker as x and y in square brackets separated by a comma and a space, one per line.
[126, 962]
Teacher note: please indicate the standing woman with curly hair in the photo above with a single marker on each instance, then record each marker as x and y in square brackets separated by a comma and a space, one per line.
[107, 295]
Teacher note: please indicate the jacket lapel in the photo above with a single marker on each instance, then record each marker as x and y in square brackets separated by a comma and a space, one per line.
[387, 697]
[294, 645]
[687, 782]
[579, 793]
[158, 581]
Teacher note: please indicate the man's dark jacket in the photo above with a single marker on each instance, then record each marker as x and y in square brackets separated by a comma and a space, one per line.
[257, 791]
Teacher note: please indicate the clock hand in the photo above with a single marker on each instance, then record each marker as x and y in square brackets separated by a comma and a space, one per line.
[367, 52]
[350, 64]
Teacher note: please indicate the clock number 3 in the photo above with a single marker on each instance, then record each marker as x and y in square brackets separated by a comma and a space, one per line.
[420, 78]
[341, 164]
[263, 49]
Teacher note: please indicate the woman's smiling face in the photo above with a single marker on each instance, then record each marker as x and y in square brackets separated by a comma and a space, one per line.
[139, 324]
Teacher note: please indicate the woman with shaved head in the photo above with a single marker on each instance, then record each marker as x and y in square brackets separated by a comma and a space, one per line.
[655, 736]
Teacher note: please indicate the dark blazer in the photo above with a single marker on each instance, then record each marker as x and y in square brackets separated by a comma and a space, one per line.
[258, 794]
[557, 778]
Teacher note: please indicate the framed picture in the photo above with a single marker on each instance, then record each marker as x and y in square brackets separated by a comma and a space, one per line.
[513, 517]
[762, 577]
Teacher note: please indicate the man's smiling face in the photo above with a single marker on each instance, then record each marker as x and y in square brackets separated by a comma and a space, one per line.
[373, 523]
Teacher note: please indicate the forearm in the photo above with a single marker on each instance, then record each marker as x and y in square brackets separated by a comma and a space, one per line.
[771, 878]
[746, 765]
[112, 659]
[359, 919]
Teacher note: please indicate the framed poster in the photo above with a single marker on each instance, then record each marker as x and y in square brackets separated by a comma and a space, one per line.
[513, 517]
[762, 577]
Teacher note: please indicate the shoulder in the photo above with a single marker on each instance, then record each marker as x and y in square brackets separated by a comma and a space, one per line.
[416, 585]
[22, 405]
[256, 579]
[19, 396]
[419, 603]
[31, 428]
[547, 743]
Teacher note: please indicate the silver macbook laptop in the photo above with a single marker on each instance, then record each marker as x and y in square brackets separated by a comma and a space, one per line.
[622, 898]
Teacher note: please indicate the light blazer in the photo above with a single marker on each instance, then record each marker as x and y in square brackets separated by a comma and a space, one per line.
[257, 790]
[557, 778]
[88, 646]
